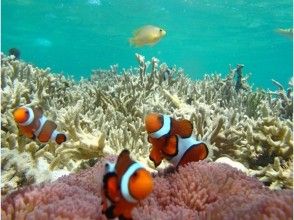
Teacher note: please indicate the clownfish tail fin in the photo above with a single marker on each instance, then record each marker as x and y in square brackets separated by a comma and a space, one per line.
[183, 128]
[60, 138]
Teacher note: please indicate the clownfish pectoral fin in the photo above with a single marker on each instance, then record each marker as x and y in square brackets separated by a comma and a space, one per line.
[194, 153]
[111, 186]
[182, 127]
[171, 147]
[155, 156]
[26, 132]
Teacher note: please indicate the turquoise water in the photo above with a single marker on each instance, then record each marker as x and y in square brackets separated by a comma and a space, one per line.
[76, 36]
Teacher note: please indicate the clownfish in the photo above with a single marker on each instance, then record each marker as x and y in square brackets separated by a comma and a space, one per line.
[33, 124]
[124, 184]
[172, 139]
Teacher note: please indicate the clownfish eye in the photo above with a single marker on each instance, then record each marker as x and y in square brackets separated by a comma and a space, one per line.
[107, 167]
[135, 174]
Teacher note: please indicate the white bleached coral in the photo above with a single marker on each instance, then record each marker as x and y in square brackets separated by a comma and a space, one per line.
[106, 113]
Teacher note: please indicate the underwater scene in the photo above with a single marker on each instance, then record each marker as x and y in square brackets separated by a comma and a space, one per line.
[172, 110]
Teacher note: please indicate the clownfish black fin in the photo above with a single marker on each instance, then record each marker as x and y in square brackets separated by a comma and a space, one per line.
[34, 137]
[121, 217]
[109, 212]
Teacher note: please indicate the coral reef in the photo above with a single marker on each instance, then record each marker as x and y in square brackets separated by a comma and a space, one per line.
[104, 114]
[199, 190]
[213, 191]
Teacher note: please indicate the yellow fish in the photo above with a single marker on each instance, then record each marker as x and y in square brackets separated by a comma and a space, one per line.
[287, 32]
[147, 35]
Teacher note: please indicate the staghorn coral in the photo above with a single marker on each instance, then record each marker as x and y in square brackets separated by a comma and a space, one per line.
[104, 114]
[282, 99]
[20, 169]
[199, 190]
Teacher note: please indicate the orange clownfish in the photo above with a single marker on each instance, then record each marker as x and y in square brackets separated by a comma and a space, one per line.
[33, 124]
[172, 139]
[124, 184]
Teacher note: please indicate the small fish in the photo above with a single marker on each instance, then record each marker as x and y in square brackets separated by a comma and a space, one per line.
[33, 124]
[15, 52]
[124, 184]
[166, 74]
[287, 32]
[147, 35]
[172, 139]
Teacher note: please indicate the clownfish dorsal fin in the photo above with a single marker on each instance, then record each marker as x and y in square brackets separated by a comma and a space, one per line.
[123, 162]
[182, 127]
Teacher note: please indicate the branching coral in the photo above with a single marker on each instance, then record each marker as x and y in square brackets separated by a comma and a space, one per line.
[282, 99]
[106, 113]
[199, 190]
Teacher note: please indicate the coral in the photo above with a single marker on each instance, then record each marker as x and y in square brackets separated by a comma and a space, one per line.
[104, 114]
[19, 169]
[282, 99]
[213, 191]
[277, 175]
[199, 190]
[72, 197]
[230, 162]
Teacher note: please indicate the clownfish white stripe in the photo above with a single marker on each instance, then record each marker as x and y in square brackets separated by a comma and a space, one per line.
[43, 119]
[164, 129]
[125, 182]
[30, 119]
[54, 134]
[109, 167]
[183, 145]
